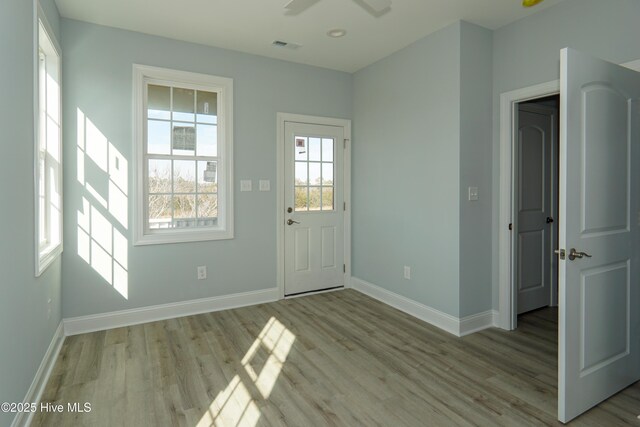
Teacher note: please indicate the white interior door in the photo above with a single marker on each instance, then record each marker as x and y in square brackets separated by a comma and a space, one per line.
[599, 337]
[314, 207]
[536, 133]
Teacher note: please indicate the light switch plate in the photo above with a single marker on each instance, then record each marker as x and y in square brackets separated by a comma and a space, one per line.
[245, 185]
[473, 193]
[265, 185]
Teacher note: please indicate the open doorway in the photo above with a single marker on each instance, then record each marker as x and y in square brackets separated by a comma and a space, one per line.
[535, 204]
[598, 202]
[546, 95]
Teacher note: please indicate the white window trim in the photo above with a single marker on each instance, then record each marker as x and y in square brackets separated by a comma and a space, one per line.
[224, 87]
[44, 256]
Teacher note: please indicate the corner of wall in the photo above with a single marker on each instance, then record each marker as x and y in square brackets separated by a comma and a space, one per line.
[476, 133]
[52, 14]
[30, 306]
[418, 174]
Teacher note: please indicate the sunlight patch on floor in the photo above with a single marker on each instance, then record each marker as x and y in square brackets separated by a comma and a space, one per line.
[234, 405]
[278, 340]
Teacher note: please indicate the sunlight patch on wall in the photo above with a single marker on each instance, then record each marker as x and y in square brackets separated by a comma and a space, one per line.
[103, 247]
[102, 171]
[234, 405]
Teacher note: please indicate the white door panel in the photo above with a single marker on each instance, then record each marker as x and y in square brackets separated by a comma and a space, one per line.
[536, 132]
[599, 334]
[314, 215]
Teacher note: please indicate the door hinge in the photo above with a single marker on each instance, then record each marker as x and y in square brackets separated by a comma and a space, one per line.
[344, 268]
[344, 206]
[344, 143]
[510, 226]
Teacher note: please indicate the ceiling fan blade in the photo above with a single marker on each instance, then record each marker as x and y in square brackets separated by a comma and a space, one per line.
[295, 7]
[377, 5]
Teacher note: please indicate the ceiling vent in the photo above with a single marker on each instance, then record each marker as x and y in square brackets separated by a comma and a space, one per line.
[285, 45]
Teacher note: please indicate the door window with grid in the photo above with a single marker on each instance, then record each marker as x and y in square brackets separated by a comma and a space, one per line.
[313, 178]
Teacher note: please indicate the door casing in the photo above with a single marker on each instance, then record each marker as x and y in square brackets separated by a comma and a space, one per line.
[282, 118]
[552, 192]
[507, 309]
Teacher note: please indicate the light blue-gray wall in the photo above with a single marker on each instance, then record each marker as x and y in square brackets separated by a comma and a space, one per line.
[52, 15]
[476, 44]
[420, 129]
[423, 136]
[25, 329]
[98, 82]
[406, 171]
[527, 52]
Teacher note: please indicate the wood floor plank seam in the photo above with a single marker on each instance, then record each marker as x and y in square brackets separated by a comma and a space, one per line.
[334, 359]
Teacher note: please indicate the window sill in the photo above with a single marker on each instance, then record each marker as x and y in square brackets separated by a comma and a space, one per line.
[46, 258]
[182, 236]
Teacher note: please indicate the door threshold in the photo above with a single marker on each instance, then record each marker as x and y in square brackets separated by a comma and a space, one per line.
[319, 291]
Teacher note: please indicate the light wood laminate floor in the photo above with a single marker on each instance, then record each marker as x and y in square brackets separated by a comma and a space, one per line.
[337, 358]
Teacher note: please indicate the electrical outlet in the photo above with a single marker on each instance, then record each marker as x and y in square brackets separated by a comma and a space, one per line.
[407, 272]
[473, 194]
[202, 272]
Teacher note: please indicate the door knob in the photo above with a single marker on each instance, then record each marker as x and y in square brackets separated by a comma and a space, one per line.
[291, 222]
[573, 254]
[549, 220]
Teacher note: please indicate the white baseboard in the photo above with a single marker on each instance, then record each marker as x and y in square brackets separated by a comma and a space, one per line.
[347, 282]
[453, 325]
[478, 322]
[136, 316]
[430, 315]
[92, 323]
[34, 394]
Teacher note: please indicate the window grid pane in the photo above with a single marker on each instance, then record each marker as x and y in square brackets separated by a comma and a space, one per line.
[182, 162]
[301, 199]
[158, 102]
[43, 235]
[313, 174]
[48, 152]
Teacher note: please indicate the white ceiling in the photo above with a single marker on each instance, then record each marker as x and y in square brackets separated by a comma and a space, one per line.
[252, 25]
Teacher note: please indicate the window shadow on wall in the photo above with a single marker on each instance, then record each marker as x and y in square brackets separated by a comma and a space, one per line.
[102, 222]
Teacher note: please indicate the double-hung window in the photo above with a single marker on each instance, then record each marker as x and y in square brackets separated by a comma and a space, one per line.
[48, 150]
[184, 144]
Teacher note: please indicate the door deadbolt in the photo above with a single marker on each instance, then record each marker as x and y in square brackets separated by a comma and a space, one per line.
[289, 209]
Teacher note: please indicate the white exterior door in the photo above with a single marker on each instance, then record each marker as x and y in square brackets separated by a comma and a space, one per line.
[314, 207]
[536, 134]
[599, 331]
